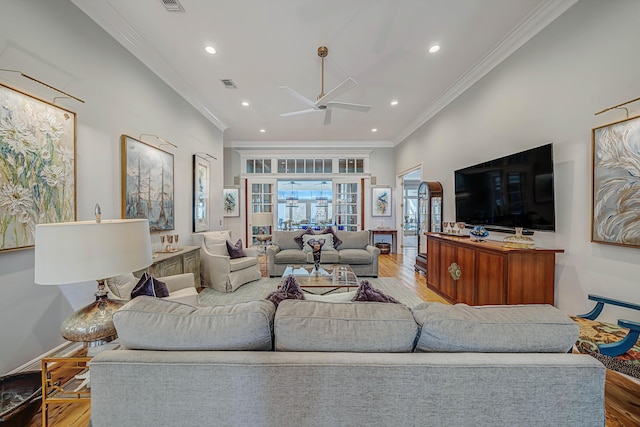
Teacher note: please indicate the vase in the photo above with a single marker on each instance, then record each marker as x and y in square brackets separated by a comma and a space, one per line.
[519, 241]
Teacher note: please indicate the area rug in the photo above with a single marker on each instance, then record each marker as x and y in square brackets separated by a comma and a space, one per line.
[261, 288]
[594, 333]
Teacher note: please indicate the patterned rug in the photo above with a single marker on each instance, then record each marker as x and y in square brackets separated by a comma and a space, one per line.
[261, 288]
[594, 333]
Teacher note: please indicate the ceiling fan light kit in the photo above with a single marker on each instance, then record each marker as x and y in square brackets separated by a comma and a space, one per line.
[324, 101]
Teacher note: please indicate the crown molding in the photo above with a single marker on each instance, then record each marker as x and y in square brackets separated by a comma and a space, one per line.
[531, 25]
[303, 145]
[114, 24]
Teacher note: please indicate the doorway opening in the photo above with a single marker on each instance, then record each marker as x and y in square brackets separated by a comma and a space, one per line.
[410, 183]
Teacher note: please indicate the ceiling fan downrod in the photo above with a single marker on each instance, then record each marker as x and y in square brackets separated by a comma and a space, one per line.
[323, 51]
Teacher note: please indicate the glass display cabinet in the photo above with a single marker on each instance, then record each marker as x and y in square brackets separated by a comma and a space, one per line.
[429, 218]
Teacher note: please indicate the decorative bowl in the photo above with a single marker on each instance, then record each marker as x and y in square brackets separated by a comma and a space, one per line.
[478, 233]
[20, 398]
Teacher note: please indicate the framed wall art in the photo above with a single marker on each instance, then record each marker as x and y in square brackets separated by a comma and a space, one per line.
[200, 194]
[381, 201]
[231, 202]
[615, 188]
[147, 184]
[37, 166]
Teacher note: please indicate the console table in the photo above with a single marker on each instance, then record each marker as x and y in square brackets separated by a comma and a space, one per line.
[185, 260]
[480, 273]
[384, 232]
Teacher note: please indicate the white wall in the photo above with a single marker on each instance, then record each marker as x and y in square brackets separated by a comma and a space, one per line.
[548, 91]
[56, 43]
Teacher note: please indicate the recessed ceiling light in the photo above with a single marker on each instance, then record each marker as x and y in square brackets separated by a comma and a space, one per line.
[210, 49]
[374, 130]
[245, 103]
[263, 130]
[394, 103]
[434, 48]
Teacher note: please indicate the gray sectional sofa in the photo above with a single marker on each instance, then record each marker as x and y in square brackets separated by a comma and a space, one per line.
[316, 363]
[354, 250]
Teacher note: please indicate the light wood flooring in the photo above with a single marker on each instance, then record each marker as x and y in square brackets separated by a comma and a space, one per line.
[622, 395]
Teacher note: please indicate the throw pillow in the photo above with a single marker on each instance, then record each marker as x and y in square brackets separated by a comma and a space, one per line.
[235, 251]
[289, 290]
[299, 238]
[150, 286]
[366, 292]
[328, 241]
[336, 239]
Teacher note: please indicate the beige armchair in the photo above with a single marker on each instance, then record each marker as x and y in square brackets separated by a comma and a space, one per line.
[219, 271]
[181, 287]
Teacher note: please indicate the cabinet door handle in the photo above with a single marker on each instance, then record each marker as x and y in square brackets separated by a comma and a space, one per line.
[454, 271]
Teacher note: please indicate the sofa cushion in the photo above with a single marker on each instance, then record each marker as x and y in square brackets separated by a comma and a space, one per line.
[291, 256]
[327, 246]
[216, 246]
[285, 239]
[355, 256]
[237, 264]
[366, 292]
[332, 297]
[326, 257]
[147, 323]
[353, 239]
[351, 327]
[121, 285]
[494, 329]
[150, 286]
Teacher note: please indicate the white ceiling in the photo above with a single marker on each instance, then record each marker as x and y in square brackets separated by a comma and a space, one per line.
[264, 44]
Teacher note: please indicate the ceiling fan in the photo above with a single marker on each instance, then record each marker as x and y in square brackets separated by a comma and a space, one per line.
[324, 101]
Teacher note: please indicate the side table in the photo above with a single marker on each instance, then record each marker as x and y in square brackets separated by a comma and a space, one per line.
[65, 378]
[59, 382]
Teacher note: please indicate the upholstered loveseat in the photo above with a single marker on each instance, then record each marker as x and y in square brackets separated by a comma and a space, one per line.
[350, 247]
[315, 363]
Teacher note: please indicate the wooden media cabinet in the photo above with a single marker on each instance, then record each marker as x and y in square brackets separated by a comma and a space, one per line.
[481, 273]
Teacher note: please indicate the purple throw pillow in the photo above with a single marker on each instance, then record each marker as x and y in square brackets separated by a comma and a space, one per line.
[299, 239]
[336, 241]
[235, 251]
[150, 286]
[366, 292]
[289, 290]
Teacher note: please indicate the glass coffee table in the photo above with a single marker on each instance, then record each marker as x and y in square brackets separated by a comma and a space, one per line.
[328, 279]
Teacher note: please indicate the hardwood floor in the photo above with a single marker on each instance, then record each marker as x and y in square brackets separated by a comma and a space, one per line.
[622, 395]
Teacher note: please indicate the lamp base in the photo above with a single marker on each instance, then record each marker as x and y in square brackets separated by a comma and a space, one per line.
[93, 324]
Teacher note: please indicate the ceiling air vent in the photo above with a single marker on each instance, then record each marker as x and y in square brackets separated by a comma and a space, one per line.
[172, 5]
[229, 84]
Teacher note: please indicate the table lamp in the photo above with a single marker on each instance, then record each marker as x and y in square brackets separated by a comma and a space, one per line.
[75, 252]
[262, 220]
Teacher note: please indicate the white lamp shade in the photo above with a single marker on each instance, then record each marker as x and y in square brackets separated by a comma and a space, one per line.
[72, 252]
[262, 219]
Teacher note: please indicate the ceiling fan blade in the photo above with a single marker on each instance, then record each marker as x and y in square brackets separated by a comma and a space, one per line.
[348, 106]
[327, 117]
[297, 113]
[337, 91]
[299, 97]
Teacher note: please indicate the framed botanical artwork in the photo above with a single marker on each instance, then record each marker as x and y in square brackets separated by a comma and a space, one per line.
[37, 166]
[615, 188]
[200, 194]
[381, 201]
[231, 202]
[147, 184]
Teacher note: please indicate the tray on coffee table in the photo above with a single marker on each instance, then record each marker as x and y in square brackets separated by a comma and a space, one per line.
[328, 278]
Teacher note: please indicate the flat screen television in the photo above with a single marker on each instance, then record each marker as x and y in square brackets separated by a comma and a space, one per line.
[512, 191]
